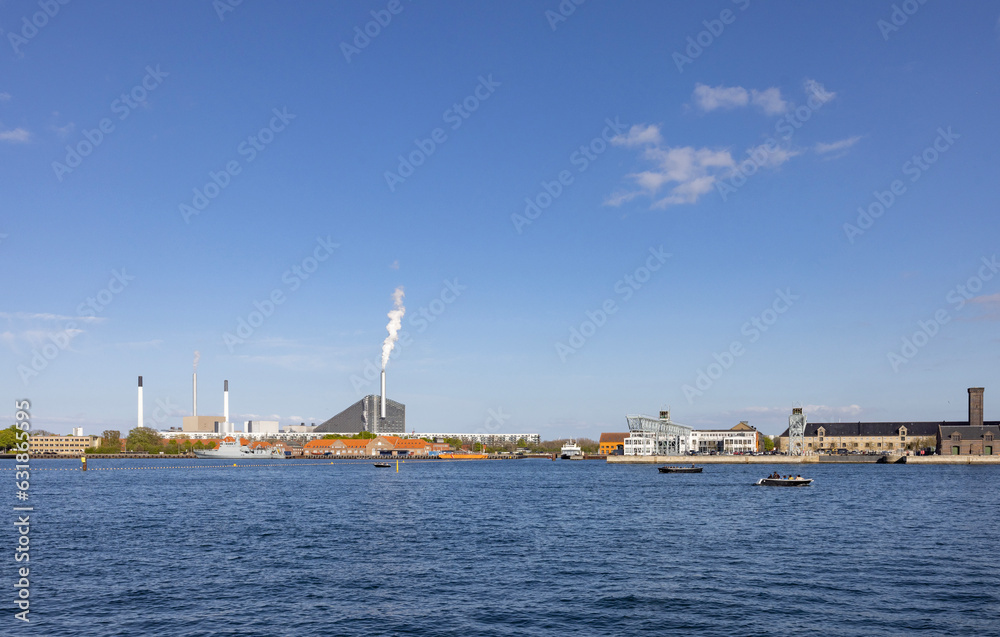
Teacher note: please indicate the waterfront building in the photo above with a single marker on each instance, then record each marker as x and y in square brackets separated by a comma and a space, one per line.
[612, 444]
[897, 437]
[656, 436]
[740, 439]
[62, 444]
[365, 415]
[484, 438]
[864, 437]
[958, 440]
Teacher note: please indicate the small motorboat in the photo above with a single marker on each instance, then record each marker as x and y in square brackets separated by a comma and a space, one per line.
[797, 481]
[383, 465]
[691, 469]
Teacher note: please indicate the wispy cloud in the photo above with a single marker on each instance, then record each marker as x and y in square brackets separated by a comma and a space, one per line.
[818, 91]
[15, 136]
[42, 316]
[4, 97]
[990, 307]
[638, 136]
[814, 413]
[837, 146]
[693, 171]
[394, 265]
[710, 98]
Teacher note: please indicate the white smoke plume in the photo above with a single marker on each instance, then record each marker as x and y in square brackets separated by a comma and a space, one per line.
[395, 322]
[197, 356]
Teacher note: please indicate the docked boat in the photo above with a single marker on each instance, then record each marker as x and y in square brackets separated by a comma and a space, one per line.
[571, 451]
[449, 455]
[797, 481]
[231, 449]
[691, 469]
[383, 465]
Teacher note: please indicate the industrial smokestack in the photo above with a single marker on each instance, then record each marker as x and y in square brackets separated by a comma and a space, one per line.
[140, 402]
[383, 393]
[225, 400]
[194, 384]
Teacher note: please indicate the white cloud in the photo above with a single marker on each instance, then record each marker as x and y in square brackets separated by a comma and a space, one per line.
[15, 136]
[693, 170]
[769, 101]
[709, 99]
[4, 97]
[638, 136]
[394, 265]
[818, 91]
[839, 145]
[768, 158]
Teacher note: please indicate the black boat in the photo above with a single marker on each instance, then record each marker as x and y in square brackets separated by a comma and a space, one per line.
[691, 469]
[383, 465]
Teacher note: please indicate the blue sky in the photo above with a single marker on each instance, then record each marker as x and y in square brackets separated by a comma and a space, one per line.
[628, 207]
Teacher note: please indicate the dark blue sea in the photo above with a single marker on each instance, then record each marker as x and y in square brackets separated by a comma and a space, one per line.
[527, 547]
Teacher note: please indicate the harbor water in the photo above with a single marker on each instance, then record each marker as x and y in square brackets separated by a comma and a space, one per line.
[529, 547]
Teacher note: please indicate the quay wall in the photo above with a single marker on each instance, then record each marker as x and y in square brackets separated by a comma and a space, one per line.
[892, 459]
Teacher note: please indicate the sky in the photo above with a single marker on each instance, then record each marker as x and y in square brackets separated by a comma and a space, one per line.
[726, 209]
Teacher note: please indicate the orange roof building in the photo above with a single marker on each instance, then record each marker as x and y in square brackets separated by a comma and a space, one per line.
[612, 443]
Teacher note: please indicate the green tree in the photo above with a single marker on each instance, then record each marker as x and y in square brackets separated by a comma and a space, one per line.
[199, 445]
[454, 443]
[8, 437]
[111, 438]
[144, 439]
[521, 442]
[172, 447]
[768, 443]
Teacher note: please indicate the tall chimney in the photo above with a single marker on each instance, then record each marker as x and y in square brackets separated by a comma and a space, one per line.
[383, 393]
[194, 383]
[225, 400]
[140, 402]
[975, 406]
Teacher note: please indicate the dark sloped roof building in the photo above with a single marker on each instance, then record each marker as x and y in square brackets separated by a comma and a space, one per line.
[364, 415]
[864, 437]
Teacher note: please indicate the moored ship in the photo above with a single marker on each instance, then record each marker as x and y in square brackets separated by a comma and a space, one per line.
[231, 449]
[571, 451]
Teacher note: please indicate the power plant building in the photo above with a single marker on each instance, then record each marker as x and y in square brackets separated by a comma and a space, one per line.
[364, 415]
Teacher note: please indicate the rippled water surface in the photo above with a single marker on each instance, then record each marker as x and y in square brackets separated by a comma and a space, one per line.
[507, 548]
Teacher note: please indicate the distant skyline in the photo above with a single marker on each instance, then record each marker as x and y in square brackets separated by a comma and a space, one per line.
[726, 209]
